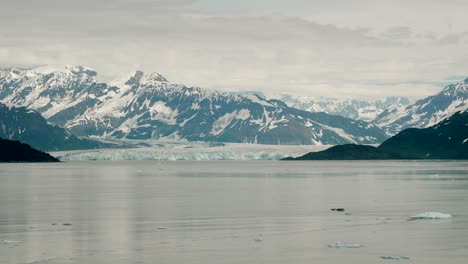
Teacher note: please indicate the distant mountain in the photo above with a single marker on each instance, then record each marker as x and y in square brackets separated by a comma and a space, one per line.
[148, 106]
[426, 112]
[28, 126]
[15, 151]
[446, 140]
[366, 110]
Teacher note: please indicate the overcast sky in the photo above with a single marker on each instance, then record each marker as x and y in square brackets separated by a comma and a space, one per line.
[333, 48]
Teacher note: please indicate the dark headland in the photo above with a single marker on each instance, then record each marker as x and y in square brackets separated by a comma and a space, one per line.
[348, 152]
[445, 140]
[15, 151]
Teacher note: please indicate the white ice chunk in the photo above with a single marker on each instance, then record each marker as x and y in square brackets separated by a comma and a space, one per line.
[10, 241]
[259, 239]
[431, 215]
[345, 245]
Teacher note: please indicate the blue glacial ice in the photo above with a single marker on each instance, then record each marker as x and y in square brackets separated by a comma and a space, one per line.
[431, 215]
[190, 151]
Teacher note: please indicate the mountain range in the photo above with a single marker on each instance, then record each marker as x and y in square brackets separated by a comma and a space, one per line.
[445, 140]
[28, 126]
[148, 106]
[366, 110]
[425, 112]
[393, 114]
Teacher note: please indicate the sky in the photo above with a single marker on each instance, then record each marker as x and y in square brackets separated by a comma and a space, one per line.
[330, 48]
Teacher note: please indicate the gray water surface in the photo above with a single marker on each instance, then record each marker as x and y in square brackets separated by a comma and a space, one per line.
[232, 212]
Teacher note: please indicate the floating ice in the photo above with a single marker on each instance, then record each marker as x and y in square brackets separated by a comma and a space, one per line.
[431, 215]
[395, 257]
[10, 241]
[383, 218]
[259, 239]
[345, 245]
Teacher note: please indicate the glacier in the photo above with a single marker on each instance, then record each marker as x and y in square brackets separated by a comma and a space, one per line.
[180, 150]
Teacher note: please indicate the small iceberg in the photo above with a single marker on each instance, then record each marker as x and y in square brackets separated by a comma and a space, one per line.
[394, 257]
[345, 245]
[383, 218]
[431, 215]
[10, 241]
[259, 239]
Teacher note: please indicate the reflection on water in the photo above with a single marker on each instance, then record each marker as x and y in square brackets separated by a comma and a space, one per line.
[231, 212]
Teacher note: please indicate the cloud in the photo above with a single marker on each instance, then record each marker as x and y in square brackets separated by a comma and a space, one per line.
[452, 39]
[201, 43]
[398, 33]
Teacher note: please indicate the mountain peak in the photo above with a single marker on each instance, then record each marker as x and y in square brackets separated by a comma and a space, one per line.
[156, 77]
[460, 88]
[397, 100]
[78, 69]
[139, 77]
[67, 69]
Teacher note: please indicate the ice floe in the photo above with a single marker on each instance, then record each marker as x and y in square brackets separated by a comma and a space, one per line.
[10, 241]
[345, 245]
[431, 215]
[259, 239]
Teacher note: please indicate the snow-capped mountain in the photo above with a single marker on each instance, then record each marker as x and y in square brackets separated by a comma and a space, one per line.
[148, 106]
[28, 126]
[426, 112]
[447, 139]
[354, 109]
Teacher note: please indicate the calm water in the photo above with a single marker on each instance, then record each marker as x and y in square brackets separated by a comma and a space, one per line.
[231, 212]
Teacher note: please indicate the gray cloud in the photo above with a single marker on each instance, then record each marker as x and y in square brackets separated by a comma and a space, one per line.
[205, 43]
[452, 39]
[398, 33]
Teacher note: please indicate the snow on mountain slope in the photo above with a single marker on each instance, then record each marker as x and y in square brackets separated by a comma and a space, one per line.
[148, 106]
[354, 109]
[445, 140]
[28, 126]
[426, 112]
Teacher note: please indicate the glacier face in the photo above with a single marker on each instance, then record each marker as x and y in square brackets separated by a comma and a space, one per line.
[426, 112]
[366, 110]
[148, 106]
[179, 150]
